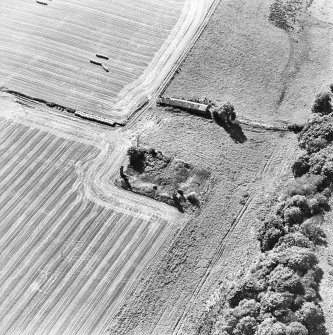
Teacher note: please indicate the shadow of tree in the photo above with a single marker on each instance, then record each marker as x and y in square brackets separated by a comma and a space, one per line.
[177, 203]
[125, 183]
[233, 129]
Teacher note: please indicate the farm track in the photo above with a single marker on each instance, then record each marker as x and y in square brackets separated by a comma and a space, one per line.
[207, 11]
[144, 40]
[72, 245]
[277, 158]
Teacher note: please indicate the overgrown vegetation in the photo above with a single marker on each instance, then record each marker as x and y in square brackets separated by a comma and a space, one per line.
[225, 113]
[166, 179]
[287, 14]
[136, 157]
[322, 104]
[279, 296]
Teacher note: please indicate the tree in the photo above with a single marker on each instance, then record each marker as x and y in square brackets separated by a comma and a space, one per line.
[296, 328]
[136, 156]
[301, 202]
[225, 113]
[270, 326]
[322, 163]
[246, 326]
[311, 315]
[311, 228]
[270, 233]
[294, 239]
[283, 279]
[316, 135]
[248, 288]
[301, 166]
[276, 302]
[322, 104]
[300, 259]
[268, 237]
[293, 215]
[247, 307]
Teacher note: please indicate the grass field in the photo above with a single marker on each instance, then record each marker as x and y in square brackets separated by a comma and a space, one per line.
[272, 78]
[270, 75]
[67, 260]
[77, 254]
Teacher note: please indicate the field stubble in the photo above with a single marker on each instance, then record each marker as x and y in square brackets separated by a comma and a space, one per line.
[46, 50]
[71, 246]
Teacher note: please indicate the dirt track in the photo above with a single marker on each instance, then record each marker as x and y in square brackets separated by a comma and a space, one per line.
[243, 58]
[59, 180]
[144, 42]
[219, 243]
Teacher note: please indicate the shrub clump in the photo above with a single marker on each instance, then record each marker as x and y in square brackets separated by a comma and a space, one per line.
[301, 166]
[312, 229]
[322, 104]
[293, 215]
[136, 156]
[270, 233]
[311, 315]
[321, 163]
[296, 328]
[316, 135]
[193, 198]
[225, 113]
[284, 279]
[280, 294]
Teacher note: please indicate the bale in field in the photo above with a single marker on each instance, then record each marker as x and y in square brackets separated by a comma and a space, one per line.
[102, 56]
[105, 68]
[95, 62]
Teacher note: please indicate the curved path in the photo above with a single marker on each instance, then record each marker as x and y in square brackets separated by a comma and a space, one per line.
[194, 17]
[113, 144]
[77, 243]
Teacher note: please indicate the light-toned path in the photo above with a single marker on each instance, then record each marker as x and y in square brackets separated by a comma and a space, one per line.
[72, 244]
[46, 50]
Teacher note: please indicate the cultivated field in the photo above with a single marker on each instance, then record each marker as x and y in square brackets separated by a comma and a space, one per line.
[81, 256]
[46, 50]
[70, 248]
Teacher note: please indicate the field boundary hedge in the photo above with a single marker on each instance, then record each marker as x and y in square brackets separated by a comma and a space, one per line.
[280, 294]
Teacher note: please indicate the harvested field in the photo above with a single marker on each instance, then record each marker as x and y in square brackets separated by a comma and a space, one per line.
[81, 256]
[46, 50]
[70, 249]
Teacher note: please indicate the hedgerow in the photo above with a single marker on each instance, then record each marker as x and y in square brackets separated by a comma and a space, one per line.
[279, 296]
